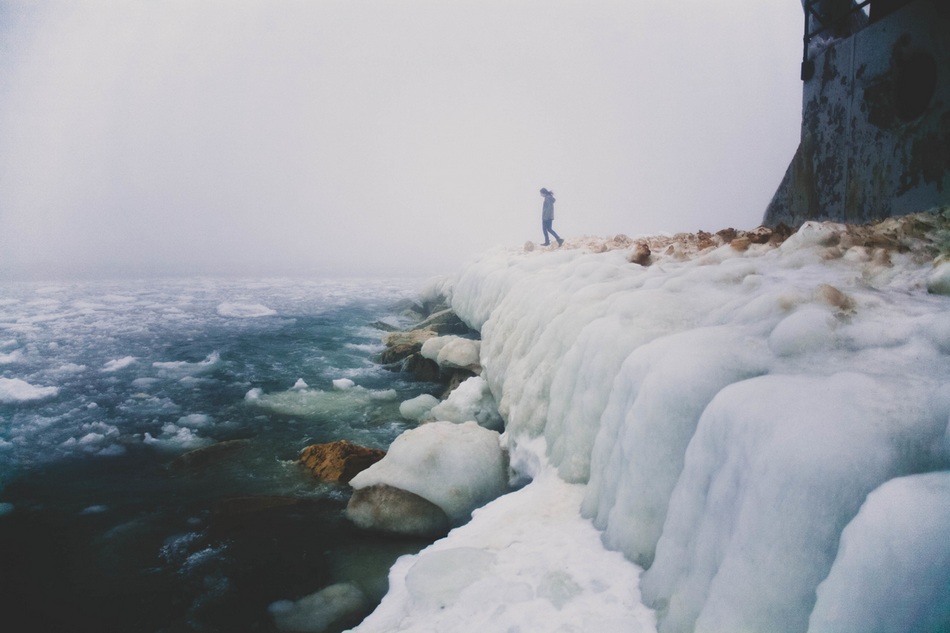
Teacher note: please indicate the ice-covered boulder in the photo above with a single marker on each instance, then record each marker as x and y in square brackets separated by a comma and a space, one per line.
[471, 400]
[417, 408]
[453, 352]
[458, 467]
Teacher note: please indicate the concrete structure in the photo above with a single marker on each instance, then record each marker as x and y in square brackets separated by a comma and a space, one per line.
[875, 122]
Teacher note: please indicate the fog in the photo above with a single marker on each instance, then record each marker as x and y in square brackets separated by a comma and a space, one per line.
[379, 136]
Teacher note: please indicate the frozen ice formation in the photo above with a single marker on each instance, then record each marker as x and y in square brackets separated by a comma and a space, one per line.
[763, 427]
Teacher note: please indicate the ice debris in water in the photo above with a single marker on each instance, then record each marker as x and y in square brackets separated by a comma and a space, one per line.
[14, 390]
[244, 310]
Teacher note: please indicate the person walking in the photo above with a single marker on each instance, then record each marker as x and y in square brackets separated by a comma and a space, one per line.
[547, 218]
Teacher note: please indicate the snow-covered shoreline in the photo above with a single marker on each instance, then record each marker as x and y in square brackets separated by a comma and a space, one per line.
[721, 415]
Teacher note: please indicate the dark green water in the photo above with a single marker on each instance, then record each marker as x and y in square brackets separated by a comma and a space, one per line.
[103, 530]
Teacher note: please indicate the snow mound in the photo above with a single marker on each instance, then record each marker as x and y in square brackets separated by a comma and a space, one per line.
[526, 562]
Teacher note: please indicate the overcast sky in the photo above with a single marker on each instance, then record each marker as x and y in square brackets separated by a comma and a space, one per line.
[379, 136]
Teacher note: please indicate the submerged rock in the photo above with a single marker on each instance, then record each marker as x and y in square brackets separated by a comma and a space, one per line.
[390, 509]
[208, 455]
[339, 461]
[333, 606]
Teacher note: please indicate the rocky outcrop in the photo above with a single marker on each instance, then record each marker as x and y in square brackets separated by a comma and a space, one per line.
[339, 461]
[389, 509]
[404, 349]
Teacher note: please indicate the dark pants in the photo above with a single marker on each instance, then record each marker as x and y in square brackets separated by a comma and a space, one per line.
[546, 227]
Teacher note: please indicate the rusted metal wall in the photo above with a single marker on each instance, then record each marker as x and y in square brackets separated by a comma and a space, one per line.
[875, 124]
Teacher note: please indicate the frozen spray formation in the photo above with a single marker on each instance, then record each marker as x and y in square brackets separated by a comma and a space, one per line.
[762, 427]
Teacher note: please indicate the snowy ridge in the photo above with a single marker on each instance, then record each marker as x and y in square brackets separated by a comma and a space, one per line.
[751, 424]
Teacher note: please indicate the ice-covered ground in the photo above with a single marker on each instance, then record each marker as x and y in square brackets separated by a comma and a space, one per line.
[763, 428]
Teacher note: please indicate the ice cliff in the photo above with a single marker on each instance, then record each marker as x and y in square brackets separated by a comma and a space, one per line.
[764, 429]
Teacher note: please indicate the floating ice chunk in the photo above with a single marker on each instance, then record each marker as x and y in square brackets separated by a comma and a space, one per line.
[317, 612]
[244, 310]
[179, 369]
[119, 363]
[300, 384]
[892, 571]
[195, 420]
[16, 356]
[458, 467]
[317, 402]
[16, 390]
[471, 400]
[342, 384]
[416, 408]
[176, 438]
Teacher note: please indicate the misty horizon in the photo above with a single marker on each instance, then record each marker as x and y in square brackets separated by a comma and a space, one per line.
[370, 138]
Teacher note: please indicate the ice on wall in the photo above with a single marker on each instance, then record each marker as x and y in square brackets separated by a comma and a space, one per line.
[729, 407]
[892, 570]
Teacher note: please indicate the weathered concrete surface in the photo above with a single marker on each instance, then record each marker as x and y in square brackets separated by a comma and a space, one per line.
[875, 124]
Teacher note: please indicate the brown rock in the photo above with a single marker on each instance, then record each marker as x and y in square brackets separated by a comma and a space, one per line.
[834, 297]
[741, 244]
[390, 509]
[442, 323]
[422, 368]
[727, 235]
[339, 461]
[400, 345]
[456, 378]
[640, 254]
